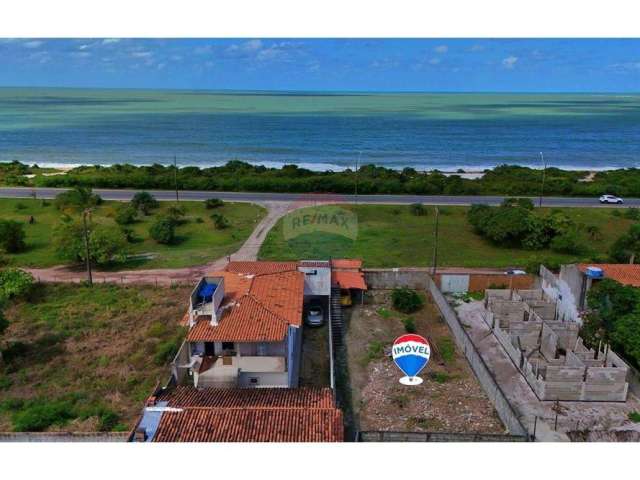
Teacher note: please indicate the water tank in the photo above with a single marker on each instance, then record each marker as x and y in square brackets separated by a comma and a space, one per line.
[595, 272]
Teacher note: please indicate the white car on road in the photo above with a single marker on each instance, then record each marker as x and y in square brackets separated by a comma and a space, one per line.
[611, 199]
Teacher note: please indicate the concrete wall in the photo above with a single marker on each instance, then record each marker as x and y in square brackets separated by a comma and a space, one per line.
[387, 278]
[505, 410]
[564, 290]
[294, 350]
[576, 376]
[417, 278]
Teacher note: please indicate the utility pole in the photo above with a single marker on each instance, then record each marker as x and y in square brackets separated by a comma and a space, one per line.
[357, 168]
[86, 245]
[435, 245]
[175, 176]
[544, 171]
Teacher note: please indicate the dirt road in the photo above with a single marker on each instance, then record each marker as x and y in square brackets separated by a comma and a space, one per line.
[165, 276]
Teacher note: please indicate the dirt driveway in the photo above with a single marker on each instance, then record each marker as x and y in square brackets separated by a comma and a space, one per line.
[165, 276]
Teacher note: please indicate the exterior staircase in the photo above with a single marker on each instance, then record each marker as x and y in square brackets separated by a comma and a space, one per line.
[337, 328]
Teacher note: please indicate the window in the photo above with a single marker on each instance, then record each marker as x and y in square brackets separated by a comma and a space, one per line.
[262, 349]
[227, 346]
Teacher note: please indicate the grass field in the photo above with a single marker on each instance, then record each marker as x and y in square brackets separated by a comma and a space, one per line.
[198, 243]
[390, 236]
[84, 359]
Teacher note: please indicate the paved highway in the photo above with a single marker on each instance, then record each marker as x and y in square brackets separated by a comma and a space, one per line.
[21, 192]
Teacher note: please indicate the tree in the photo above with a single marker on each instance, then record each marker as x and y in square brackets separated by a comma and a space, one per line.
[144, 202]
[608, 301]
[78, 198]
[106, 244]
[126, 214]
[626, 336]
[569, 242]
[163, 230]
[627, 247]
[12, 236]
[406, 300]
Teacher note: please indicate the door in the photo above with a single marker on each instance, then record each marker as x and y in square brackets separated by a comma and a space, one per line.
[209, 349]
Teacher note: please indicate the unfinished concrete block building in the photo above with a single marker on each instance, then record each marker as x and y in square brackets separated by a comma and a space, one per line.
[549, 352]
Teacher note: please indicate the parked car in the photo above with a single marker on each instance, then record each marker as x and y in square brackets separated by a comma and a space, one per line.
[315, 318]
[515, 272]
[611, 199]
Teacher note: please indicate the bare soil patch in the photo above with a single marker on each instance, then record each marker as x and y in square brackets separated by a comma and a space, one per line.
[449, 400]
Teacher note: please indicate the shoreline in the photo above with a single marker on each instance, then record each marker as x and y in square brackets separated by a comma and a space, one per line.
[470, 173]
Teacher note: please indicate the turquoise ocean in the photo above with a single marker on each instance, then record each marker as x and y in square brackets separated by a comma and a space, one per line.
[68, 127]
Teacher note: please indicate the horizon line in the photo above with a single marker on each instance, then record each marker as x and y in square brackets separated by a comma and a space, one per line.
[332, 91]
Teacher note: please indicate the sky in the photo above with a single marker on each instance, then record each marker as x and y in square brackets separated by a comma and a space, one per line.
[398, 65]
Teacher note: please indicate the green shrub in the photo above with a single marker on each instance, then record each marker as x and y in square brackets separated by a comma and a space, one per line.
[165, 351]
[144, 202]
[406, 300]
[375, 350]
[126, 214]
[634, 417]
[417, 209]
[570, 243]
[12, 236]
[447, 350]
[107, 245]
[439, 377]
[163, 231]
[42, 414]
[409, 324]
[384, 313]
[210, 203]
[19, 206]
[220, 221]
[632, 213]
[14, 283]
[176, 213]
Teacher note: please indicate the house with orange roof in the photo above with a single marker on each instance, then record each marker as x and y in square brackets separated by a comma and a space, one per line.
[245, 328]
[187, 414]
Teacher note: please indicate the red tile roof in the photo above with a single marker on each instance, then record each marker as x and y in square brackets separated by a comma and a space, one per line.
[261, 268]
[261, 300]
[349, 280]
[306, 397]
[347, 264]
[250, 415]
[254, 425]
[627, 274]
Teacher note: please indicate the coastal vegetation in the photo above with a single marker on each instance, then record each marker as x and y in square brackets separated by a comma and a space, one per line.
[392, 236]
[84, 358]
[614, 318]
[240, 176]
[120, 234]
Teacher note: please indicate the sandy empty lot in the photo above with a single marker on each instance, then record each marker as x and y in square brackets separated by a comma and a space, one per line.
[449, 400]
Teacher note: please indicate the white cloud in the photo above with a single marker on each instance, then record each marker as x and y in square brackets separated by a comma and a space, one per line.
[108, 41]
[625, 67]
[142, 54]
[33, 44]
[441, 49]
[81, 54]
[250, 46]
[509, 62]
